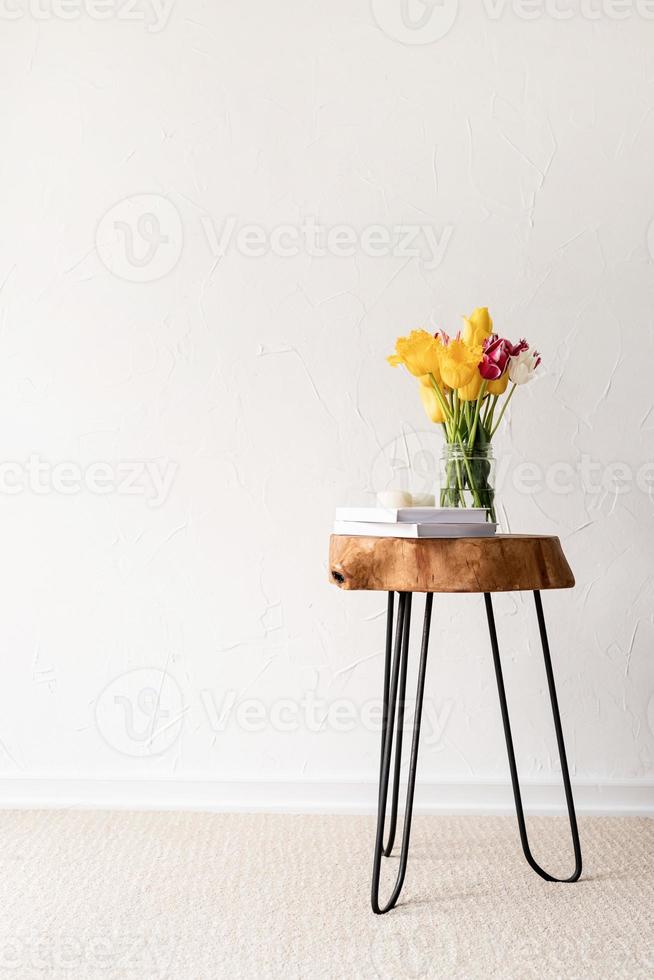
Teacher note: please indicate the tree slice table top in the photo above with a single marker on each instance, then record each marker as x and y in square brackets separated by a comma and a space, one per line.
[502, 563]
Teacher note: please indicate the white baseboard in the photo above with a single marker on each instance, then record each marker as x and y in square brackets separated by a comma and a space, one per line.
[632, 797]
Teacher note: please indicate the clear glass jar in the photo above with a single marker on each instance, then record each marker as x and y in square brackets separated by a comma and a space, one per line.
[467, 477]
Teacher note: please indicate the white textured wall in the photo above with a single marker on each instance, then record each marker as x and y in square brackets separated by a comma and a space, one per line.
[520, 149]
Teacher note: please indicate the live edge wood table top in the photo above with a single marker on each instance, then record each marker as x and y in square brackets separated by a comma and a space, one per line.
[502, 563]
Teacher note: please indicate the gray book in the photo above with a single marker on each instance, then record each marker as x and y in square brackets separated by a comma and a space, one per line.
[405, 530]
[413, 515]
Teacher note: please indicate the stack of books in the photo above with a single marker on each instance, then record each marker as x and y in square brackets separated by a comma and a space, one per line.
[414, 522]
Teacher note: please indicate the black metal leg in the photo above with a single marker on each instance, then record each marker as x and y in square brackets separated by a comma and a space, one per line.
[559, 739]
[392, 680]
[404, 627]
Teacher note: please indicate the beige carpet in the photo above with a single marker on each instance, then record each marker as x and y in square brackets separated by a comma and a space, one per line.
[192, 895]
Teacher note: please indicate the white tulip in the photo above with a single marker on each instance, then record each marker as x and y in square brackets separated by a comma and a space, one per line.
[522, 367]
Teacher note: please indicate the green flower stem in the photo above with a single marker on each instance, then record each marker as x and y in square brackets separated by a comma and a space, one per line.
[490, 410]
[473, 430]
[446, 493]
[459, 483]
[499, 419]
[446, 409]
[476, 499]
[441, 398]
[471, 480]
[458, 414]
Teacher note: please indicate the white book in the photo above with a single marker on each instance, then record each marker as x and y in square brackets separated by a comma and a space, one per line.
[413, 515]
[404, 530]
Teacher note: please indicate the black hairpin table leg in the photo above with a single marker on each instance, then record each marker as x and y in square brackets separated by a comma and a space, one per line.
[404, 625]
[559, 739]
[395, 678]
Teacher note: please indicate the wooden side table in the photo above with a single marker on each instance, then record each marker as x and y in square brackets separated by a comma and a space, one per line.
[505, 563]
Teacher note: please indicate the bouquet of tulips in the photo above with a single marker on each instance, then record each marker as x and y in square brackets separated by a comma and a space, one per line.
[461, 381]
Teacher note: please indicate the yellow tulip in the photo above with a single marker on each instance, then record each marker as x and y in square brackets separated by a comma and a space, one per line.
[459, 363]
[469, 392]
[498, 387]
[419, 353]
[477, 326]
[431, 403]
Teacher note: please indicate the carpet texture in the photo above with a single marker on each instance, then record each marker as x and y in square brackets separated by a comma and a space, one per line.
[90, 895]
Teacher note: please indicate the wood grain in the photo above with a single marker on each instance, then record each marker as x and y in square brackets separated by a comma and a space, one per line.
[504, 563]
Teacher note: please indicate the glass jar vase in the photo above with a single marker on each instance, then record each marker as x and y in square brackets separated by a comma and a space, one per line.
[467, 477]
